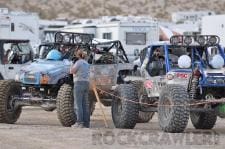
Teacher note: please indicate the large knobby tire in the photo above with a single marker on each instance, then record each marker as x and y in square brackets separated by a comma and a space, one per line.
[143, 117]
[173, 118]
[8, 113]
[65, 106]
[203, 120]
[125, 111]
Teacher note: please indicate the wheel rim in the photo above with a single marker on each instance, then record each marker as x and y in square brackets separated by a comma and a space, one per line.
[10, 107]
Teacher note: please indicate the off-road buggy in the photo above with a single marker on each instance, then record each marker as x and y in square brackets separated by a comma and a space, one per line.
[188, 80]
[47, 83]
[13, 55]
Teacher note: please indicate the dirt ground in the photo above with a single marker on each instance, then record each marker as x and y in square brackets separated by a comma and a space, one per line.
[39, 129]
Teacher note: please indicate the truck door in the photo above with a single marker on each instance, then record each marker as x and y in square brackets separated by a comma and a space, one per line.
[16, 55]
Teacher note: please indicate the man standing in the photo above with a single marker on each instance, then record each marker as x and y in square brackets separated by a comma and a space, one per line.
[80, 71]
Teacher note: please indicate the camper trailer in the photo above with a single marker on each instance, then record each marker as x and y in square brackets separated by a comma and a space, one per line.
[48, 28]
[19, 26]
[214, 25]
[133, 32]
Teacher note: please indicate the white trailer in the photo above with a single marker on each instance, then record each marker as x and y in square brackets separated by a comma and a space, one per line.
[214, 25]
[134, 33]
[48, 28]
[19, 26]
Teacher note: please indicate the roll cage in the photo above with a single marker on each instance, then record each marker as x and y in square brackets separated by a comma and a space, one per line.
[75, 40]
[193, 46]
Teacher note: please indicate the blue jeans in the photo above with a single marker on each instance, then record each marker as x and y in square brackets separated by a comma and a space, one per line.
[81, 102]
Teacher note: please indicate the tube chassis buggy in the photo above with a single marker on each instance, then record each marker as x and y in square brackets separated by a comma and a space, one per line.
[177, 88]
[47, 83]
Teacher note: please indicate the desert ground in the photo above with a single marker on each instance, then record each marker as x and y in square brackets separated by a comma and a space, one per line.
[37, 128]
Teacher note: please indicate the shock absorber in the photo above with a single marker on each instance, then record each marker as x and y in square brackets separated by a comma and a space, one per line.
[194, 83]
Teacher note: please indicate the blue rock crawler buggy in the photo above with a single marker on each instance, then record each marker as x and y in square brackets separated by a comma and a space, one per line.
[188, 80]
[48, 84]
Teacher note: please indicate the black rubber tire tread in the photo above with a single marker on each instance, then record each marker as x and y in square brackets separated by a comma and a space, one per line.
[65, 105]
[203, 120]
[143, 117]
[177, 120]
[129, 114]
[8, 88]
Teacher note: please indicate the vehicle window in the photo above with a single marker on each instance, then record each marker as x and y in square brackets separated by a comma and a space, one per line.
[135, 38]
[17, 53]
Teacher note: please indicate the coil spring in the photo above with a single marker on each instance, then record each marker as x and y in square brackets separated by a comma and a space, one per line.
[193, 89]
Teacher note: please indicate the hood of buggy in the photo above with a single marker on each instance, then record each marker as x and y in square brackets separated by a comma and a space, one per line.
[51, 71]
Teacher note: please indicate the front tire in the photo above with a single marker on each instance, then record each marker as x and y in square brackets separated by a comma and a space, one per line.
[173, 109]
[65, 106]
[125, 111]
[8, 113]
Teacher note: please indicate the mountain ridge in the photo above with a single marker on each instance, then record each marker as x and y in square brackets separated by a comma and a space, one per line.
[73, 9]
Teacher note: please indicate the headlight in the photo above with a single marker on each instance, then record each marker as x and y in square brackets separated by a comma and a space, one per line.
[175, 40]
[213, 40]
[188, 40]
[44, 79]
[201, 40]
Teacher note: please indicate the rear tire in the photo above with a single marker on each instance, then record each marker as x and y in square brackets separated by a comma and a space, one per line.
[8, 113]
[65, 106]
[173, 118]
[143, 117]
[125, 111]
[205, 120]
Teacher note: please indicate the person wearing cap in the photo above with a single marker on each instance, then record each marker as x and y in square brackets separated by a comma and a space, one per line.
[157, 56]
[81, 71]
[152, 64]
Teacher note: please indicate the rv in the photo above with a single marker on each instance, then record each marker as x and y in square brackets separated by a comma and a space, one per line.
[19, 26]
[135, 33]
[214, 25]
[48, 28]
